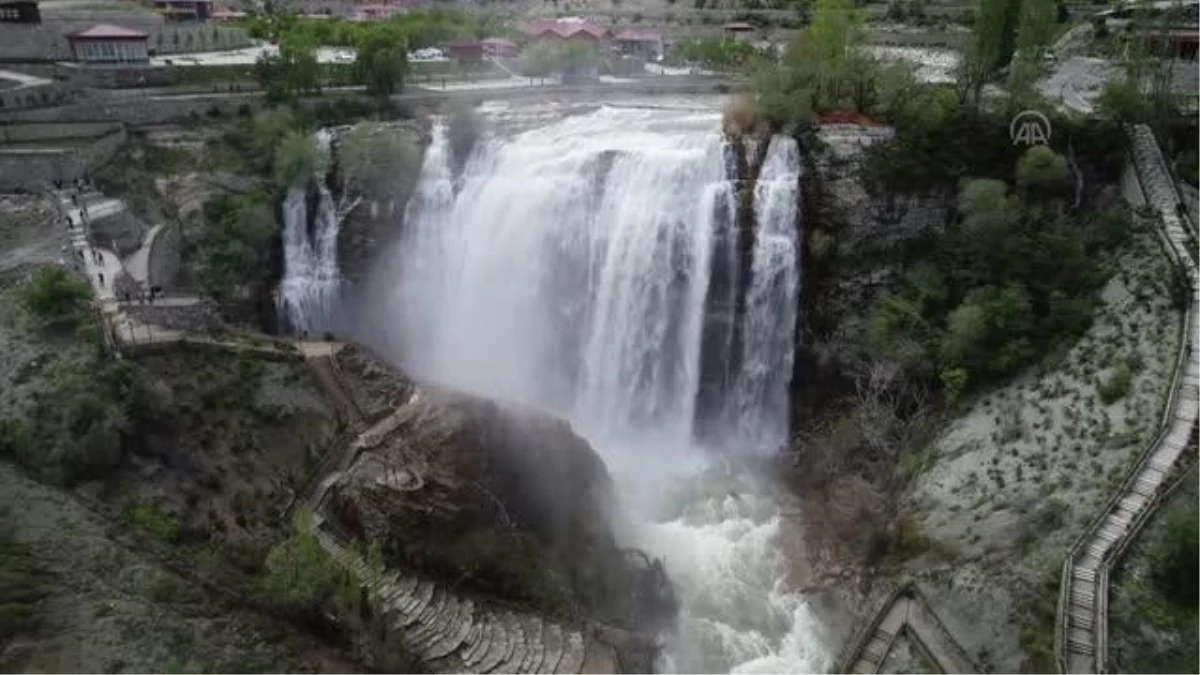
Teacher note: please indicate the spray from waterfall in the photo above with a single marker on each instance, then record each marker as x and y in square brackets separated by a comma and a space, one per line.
[308, 291]
[569, 267]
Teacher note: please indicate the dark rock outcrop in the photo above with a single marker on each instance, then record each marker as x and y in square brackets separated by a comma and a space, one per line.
[502, 501]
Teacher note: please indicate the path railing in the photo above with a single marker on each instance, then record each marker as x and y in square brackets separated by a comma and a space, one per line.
[942, 649]
[1081, 635]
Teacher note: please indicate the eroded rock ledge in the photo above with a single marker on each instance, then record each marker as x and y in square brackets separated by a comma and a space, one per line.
[492, 506]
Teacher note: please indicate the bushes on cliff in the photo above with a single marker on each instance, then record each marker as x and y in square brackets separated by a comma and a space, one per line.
[300, 577]
[378, 160]
[295, 158]
[82, 418]
[56, 295]
[22, 585]
[1175, 558]
[236, 249]
[1013, 278]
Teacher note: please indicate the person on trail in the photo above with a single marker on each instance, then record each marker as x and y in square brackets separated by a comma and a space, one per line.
[100, 275]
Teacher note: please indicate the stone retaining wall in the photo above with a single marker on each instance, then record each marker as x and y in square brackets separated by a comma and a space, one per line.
[32, 96]
[23, 133]
[48, 42]
[149, 110]
[162, 264]
[31, 169]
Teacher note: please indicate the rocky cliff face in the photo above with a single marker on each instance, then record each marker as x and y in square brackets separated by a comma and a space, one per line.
[375, 167]
[506, 501]
[850, 235]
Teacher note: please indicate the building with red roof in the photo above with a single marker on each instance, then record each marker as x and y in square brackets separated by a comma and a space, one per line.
[574, 30]
[105, 43]
[499, 47]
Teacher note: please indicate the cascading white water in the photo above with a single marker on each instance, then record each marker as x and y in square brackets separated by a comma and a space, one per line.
[570, 271]
[308, 291]
[760, 389]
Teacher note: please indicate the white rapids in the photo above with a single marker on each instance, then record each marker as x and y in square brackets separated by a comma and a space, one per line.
[567, 267]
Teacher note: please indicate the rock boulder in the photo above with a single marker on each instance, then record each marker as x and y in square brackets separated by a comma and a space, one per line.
[504, 500]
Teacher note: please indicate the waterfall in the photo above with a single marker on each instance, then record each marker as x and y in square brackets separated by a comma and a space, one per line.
[760, 415]
[569, 267]
[308, 291]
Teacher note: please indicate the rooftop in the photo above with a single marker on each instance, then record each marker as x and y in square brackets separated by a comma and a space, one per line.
[563, 28]
[102, 31]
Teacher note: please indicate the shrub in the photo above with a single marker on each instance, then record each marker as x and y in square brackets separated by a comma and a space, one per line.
[82, 416]
[295, 158]
[1117, 385]
[300, 576]
[154, 521]
[22, 585]
[1175, 559]
[54, 294]
[237, 247]
[14, 438]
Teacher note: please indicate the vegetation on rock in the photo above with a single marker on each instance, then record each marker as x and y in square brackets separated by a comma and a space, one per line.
[300, 577]
[23, 584]
[1013, 278]
[237, 246]
[56, 295]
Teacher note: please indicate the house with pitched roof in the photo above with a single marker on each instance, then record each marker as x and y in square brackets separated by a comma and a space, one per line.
[106, 43]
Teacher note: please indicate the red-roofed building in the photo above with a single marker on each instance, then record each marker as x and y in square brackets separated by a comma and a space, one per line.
[465, 51]
[574, 30]
[499, 47]
[105, 43]
[641, 42]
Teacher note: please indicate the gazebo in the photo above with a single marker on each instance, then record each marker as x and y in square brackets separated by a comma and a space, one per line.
[105, 43]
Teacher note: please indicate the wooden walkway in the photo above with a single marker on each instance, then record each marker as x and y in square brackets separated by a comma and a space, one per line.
[906, 612]
[454, 633]
[1081, 638]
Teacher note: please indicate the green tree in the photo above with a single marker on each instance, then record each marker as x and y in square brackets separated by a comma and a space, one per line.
[991, 47]
[1041, 172]
[834, 35]
[236, 249]
[295, 158]
[1034, 32]
[300, 577]
[293, 71]
[379, 161]
[382, 61]
[54, 294]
